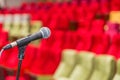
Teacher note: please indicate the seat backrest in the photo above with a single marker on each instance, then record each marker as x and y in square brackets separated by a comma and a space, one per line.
[8, 19]
[104, 68]
[67, 63]
[100, 43]
[14, 31]
[84, 66]
[117, 75]
[35, 26]
[25, 25]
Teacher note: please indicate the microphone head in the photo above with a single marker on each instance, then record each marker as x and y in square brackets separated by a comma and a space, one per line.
[45, 32]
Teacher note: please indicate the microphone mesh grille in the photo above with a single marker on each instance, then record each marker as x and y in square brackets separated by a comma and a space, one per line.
[45, 32]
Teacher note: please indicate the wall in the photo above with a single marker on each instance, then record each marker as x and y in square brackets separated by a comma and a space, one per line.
[17, 3]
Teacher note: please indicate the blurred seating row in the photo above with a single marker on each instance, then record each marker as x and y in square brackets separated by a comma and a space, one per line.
[84, 65]
[19, 25]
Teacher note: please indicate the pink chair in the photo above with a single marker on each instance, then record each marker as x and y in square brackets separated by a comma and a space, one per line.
[112, 29]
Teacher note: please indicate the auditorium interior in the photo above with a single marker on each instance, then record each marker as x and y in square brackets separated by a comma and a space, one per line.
[83, 44]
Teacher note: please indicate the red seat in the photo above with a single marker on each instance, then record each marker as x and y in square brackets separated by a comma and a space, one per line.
[97, 26]
[94, 6]
[79, 10]
[115, 5]
[63, 22]
[104, 7]
[114, 49]
[53, 21]
[70, 40]
[84, 40]
[12, 61]
[100, 43]
[29, 58]
[13, 78]
[3, 39]
[48, 55]
[4, 57]
[84, 25]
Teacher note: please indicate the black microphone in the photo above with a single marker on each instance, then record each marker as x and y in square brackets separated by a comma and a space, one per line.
[43, 33]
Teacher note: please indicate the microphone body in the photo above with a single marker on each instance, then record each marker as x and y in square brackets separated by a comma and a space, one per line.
[43, 33]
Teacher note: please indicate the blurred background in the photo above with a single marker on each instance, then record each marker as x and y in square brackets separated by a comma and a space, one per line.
[80, 25]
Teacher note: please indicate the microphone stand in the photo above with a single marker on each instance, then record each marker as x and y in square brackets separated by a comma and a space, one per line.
[20, 57]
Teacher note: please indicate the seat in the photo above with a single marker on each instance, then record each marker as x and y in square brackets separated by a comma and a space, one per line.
[104, 4]
[12, 60]
[14, 78]
[15, 29]
[29, 58]
[114, 5]
[114, 48]
[111, 29]
[63, 22]
[49, 56]
[7, 22]
[67, 65]
[117, 75]
[35, 26]
[25, 24]
[84, 66]
[4, 38]
[84, 40]
[70, 36]
[104, 68]
[1, 21]
[115, 17]
[100, 26]
[100, 43]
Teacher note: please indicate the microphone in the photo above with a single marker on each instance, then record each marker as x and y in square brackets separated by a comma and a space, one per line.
[43, 33]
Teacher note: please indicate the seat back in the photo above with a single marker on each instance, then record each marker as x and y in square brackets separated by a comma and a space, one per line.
[84, 66]
[104, 68]
[15, 29]
[25, 25]
[117, 75]
[67, 64]
[34, 27]
[7, 22]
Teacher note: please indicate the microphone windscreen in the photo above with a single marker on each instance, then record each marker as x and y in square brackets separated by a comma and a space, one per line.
[45, 32]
